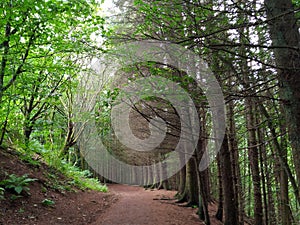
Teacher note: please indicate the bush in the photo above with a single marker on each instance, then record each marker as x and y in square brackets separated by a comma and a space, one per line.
[17, 184]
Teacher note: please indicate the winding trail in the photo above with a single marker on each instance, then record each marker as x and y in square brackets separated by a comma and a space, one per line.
[137, 206]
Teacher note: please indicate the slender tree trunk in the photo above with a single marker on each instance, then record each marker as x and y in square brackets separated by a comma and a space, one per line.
[286, 217]
[271, 207]
[254, 162]
[262, 149]
[203, 198]
[165, 183]
[233, 147]
[278, 153]
[4, 126]
[203, 177]
[231, 215]
[219, 214]
[181, 184]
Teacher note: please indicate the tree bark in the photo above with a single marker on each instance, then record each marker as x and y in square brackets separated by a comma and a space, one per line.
[233, 147]
[231, 215]
[285, 37]
[219, 214]
[284, 206]
[254, 162]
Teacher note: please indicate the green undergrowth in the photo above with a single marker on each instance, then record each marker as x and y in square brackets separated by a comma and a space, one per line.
[18, 185]
[72, 176]
[81, 178]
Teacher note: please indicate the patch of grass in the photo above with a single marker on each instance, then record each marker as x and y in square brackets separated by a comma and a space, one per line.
[28, 153]
[90, 183]
[30, 160]
[75, 177]
[82, 178]
[56, 183]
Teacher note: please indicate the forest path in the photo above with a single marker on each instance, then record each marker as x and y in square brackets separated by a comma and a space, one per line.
[137, 206]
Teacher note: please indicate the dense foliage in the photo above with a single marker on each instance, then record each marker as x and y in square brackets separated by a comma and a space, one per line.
[44, 45]
[253, 49]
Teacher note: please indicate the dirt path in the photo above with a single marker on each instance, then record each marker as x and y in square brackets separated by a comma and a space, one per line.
[137, 206]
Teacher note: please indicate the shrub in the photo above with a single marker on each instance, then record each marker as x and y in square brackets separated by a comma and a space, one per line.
[17, 183]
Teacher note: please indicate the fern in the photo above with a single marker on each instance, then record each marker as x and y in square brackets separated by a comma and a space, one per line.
[16, 183]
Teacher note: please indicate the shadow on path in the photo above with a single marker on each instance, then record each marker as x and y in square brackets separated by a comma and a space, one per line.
[137, 206]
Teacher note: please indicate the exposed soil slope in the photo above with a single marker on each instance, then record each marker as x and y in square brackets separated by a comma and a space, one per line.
[75, 207]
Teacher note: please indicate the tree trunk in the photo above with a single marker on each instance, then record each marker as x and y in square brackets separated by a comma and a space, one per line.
[231, 215]
[219, 214]
[262, 149]
[203, 198]
[27, 131]
[181, 186]
[284, 206]
[254, 162]
[192, 182]
[190, 194]
[278, 153]
[286, 42]
[233, 147]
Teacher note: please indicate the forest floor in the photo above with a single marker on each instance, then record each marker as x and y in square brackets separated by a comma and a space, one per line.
[137, 206]
[122, 205]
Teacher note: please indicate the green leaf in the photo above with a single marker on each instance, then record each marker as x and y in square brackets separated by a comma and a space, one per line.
[48, 202]
[18, 189]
